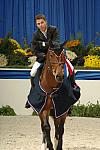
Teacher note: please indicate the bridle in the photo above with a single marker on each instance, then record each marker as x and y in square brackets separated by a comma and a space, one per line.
[50, 63]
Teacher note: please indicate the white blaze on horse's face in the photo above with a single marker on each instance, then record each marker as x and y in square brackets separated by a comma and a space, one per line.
[57, 66]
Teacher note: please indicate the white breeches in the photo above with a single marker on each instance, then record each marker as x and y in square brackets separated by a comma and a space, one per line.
[35, 68]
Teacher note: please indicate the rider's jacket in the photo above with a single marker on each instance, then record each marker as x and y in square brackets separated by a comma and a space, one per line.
[40, 42]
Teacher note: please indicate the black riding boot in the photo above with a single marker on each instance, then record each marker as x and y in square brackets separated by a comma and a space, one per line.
[27, 105]
[32, 82]
[72, 79]
[32, 85]
[76, 88]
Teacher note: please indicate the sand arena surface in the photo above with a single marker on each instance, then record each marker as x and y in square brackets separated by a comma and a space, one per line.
[24, 133]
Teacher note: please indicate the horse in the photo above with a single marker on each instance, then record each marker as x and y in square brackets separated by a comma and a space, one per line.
[45, 97]
[54, 93]
[50, 80]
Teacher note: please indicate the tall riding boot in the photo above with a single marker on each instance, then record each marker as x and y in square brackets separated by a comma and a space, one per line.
[32, 82]
[27, 105]
[72, 79]
[76, 88]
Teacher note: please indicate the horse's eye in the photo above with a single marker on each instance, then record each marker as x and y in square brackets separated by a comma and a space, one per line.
[51, 55]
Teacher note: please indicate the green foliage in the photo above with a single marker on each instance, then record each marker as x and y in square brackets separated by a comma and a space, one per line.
[34, 113]
[8, 45]
[79, 36]
[14, 53]
[26, 45]
[17, 59]
[75, 44]
[82, 110]
[4, 46]
[89, 110]
[82, 50]
[7, 111]
[94, 51]
[89, 46]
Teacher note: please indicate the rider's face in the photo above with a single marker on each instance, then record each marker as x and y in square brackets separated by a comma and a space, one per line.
[41, 24]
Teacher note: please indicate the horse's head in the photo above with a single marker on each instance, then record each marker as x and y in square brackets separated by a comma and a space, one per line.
[56, 64]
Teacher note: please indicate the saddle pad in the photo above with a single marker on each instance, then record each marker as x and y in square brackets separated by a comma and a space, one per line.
[62, 99]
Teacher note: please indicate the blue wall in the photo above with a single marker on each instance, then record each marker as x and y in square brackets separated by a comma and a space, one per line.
[25, 74]
[70, 16]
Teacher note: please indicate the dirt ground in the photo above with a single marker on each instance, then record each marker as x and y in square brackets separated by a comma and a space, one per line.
[24, 133]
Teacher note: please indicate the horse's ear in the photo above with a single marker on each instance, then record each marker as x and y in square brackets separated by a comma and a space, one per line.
[62, 56]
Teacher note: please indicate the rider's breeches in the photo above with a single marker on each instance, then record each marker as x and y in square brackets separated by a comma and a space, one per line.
[35, 68]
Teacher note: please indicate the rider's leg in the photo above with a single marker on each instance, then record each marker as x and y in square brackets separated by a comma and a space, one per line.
[33, 72]
[72, 79]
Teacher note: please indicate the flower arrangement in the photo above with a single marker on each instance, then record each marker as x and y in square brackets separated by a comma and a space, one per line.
[13, 44]
[92, 61]
[23, 52]
[15, 54]
[11, 52]
[8, 45]
[75, 51]
[29, 52]
[72, 43]
[31, 60]
[97, 48]
[95, 51]
[3, 60]
[71, 55]
[75, 46]
[16, 51]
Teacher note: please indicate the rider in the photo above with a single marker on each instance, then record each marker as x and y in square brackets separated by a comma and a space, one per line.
[40, 44]
[40, 41]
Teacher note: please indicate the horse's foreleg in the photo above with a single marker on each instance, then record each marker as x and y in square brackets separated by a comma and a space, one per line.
[46, 143]
[59, 131]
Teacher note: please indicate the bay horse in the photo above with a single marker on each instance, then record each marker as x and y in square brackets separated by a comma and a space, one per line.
[50, 80]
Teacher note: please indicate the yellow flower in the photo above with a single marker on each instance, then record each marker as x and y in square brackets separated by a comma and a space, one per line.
[14, 43]
[97, 48]
[72, 43]
[28, 52]
[92, 61]
[20, 51]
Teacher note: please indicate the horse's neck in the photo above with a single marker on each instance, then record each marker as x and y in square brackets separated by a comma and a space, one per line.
[48, 82]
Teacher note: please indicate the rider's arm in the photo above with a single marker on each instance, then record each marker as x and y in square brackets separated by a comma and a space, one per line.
[37, 48]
